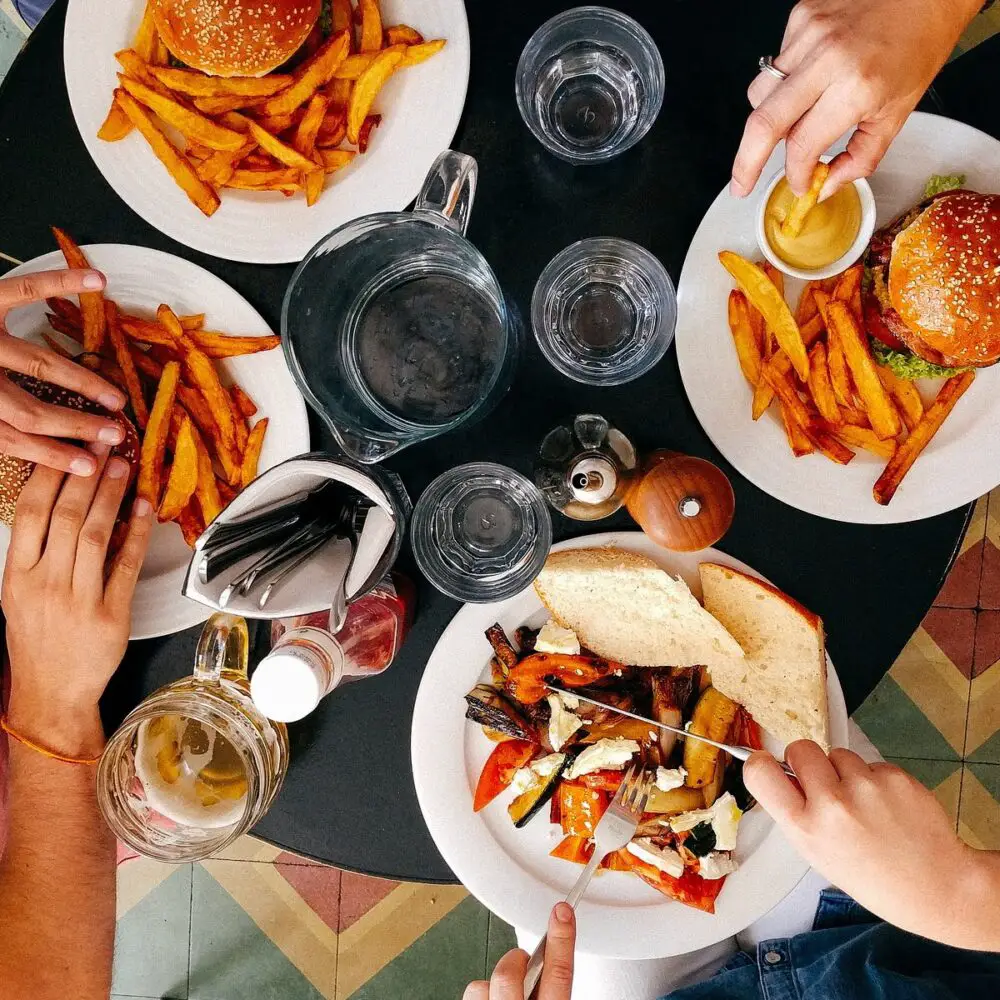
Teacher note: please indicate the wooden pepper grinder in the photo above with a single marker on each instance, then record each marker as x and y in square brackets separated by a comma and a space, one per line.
[682, 502]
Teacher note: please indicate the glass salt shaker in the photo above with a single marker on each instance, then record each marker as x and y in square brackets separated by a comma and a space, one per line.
[307, 661]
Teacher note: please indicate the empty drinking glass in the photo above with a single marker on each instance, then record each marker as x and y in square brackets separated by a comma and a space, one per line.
[481, 532]
[604, 311]
[589, 84]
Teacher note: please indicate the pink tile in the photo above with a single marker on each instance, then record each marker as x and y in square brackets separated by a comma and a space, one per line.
[961, 589]
[319, 887]
[359, 894]
[954, 631]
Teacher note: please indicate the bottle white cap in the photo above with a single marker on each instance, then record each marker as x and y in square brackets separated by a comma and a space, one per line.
[292, 679]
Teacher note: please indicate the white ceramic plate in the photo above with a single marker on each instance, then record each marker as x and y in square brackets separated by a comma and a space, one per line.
[140, 279]
[421, 108]
[958, 466]
[510, 870]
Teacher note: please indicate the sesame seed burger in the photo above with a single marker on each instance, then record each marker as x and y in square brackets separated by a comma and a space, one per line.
[932, 288]
[234, 37]
[15, 472]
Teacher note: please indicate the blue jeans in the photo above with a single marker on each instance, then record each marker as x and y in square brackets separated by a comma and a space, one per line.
[852, 955]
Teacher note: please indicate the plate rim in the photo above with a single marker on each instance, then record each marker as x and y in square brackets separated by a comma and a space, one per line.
[484, 887]
[868, 514]
[296, 409]
[264, 254]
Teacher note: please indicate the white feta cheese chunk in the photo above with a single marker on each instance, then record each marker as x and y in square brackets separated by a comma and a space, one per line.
[664, 858]
[724, 817]
[670, 778]
[716, 864]
[523, 779]
[545, 767]
[562, 723]
[553, 638]
[604, 755]
[535, 772]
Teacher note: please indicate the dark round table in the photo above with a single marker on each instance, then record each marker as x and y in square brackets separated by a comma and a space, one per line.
[349, 797]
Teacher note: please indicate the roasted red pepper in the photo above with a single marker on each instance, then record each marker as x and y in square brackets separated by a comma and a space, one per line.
[575, 849]
[690, 888]
[526, 681]
[605, 781]
[499, 769]
[580, 808]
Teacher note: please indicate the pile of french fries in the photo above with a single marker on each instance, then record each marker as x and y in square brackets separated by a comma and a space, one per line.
[198, 448]
[281, 132]
[817, 365]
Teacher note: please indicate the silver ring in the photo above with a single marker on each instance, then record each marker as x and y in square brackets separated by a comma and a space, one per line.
[766, 64]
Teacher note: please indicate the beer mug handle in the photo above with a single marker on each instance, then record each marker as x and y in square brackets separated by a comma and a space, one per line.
[224, 645]
[449, 189]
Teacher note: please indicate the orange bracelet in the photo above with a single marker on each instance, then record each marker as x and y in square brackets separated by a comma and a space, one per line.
[44, 751]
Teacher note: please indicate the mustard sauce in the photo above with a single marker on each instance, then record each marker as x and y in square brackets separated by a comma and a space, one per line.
[827, 234]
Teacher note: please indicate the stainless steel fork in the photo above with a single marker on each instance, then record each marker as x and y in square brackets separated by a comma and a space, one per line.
[614, 830]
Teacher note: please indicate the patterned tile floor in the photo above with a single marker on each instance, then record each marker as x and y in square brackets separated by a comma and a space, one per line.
[262, 923]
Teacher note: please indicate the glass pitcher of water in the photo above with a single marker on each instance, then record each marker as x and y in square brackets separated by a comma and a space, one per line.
[394, 325]
[196, 764]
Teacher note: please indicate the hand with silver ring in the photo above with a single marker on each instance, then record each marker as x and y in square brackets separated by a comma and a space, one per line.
[847, 65]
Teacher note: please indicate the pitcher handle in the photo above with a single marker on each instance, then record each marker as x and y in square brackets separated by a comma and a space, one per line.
[449, 189]
[224, 642]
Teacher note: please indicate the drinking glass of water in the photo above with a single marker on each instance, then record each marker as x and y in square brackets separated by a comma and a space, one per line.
[604, 311]
[481, 532]
[394, 325]
[590, 84]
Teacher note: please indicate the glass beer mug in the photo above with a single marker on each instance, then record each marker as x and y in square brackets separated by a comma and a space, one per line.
[195, 765]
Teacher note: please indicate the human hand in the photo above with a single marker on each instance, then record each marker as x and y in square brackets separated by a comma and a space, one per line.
[507, 982]
[879, 835]
[850, 65]
[29, 428]
[68, 615]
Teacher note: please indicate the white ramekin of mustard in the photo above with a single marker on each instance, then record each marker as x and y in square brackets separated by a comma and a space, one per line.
[835, 234]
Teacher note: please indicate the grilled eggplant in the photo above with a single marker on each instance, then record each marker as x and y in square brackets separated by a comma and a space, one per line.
[671, 693]
[713, 717]
[504, 652]
[492, 710]
[528, 803]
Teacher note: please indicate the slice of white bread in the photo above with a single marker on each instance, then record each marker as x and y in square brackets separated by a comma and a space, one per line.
[624, 607]
[782, 680]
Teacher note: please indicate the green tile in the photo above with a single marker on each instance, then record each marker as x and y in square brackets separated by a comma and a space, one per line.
[891, 720]
[151, 941]
[989, 778]
[11, 40]
[988, 752]
[500, 939]
[929, 773]
[231, 957]
[438, 965]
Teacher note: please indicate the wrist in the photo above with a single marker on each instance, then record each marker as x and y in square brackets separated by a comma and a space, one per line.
[68, 728]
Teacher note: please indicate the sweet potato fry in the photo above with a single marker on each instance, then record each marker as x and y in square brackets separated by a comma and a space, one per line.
[844, 328]
[147, 332]
[309, 126]
[930, 423]
[797, 439]
[849, 284]
[193, 322]
[316, 72]
[368, 86]
[240, 423]
[229, 102]
[864, 437]
[154, 441]
[335, 159]
[762, 294]
[906, 395]
[54, 345]
[282, 152]
[183, 476]
[220, 345]
[747, 350]
[807, 307]
[763, 396]
[820, 387]
[251, 458]
[116, 124]
[275, 124]
[68, 310]
[91, 303]
[124, 358]
[313, 183]
[784, 389]
[186, 81]
[244, 403]
[371, 25]
[180, 168]
[190, 123]
[353, 66]
[805, 203]
[207, 489]
[370, 123]
[402, 34]
[416, 54]
[201, 373]
[190, 524]
[64, 327]
[839, 374]
[138, 69]
[265, 180]
[828, 444]
[339, 91]
[342, 16]
[146, 37]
